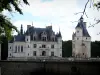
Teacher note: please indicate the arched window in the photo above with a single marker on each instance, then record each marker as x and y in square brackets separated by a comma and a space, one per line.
[43, 53]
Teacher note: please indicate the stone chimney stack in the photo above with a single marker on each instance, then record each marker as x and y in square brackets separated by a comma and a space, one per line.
[28, 26]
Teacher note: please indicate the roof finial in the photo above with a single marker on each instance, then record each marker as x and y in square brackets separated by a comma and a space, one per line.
[32, 23]
[51, 24]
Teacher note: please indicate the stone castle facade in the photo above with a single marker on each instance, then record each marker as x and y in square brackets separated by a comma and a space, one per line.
[81, 41]
[36, 42]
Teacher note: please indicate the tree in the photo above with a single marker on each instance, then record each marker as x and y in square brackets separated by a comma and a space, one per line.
[6, 26]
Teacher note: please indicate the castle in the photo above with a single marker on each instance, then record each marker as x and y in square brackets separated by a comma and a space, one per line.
[43, 42]
[81, 41]
[35, 42]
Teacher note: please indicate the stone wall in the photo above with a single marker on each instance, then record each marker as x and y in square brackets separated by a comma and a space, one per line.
[49, 67]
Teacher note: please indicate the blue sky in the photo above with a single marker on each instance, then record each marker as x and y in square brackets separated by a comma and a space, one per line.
[58, 13]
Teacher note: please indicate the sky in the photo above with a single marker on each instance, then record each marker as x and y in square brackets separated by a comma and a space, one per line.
[58, 13]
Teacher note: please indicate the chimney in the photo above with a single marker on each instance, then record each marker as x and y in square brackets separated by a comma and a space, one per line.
[49, 27]
[28, 26]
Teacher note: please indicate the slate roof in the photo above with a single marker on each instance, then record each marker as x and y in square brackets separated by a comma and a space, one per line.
[82, 25]
[38, 31]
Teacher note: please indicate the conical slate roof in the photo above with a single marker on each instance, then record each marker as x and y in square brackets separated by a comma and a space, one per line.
[82, 25]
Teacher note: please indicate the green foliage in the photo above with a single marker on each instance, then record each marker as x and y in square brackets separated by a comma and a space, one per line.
[6, 26]
[6, 4]
[95, 49]
[67, 48]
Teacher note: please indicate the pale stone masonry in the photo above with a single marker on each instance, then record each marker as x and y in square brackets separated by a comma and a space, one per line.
[35, 42]
[81, 41]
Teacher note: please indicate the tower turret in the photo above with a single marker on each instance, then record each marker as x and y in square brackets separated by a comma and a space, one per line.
[82, 41]
[21, 30]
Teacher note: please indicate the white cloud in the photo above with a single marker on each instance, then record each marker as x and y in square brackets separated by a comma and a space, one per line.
[59, 13]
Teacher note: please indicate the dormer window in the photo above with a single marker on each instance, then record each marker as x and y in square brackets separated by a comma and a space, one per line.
[53, 38]
[27, 39]
[44, 36]
[34, 38]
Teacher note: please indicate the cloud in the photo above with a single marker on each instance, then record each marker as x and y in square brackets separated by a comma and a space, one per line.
[58, 12]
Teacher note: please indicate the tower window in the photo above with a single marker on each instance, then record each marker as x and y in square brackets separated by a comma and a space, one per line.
[77, 38]
[28, 46]
[77, 31]
[35, 45]
[27, 39]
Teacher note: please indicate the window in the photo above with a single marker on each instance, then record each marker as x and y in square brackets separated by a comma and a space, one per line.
[18, 48]
[86, 37]
[53, 39]
[83, 53]
[43, 46]
[34, 53]
[10, 54]
[52, 53]
[43, 53]
[77, 31]
[27, 39]
[28, 46]
[35, 45]
[21, 48]
[44, 38]
[77, 38]
[34, 38]
[73, 45]
[10, 47]
[52, 46]
[28, 54]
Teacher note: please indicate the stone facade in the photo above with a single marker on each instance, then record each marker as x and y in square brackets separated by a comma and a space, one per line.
[81, 41]
[35, 42]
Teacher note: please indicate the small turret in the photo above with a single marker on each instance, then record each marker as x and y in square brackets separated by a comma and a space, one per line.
[21, 30]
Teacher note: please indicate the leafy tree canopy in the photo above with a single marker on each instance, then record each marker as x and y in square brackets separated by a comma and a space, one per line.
[6, 26]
